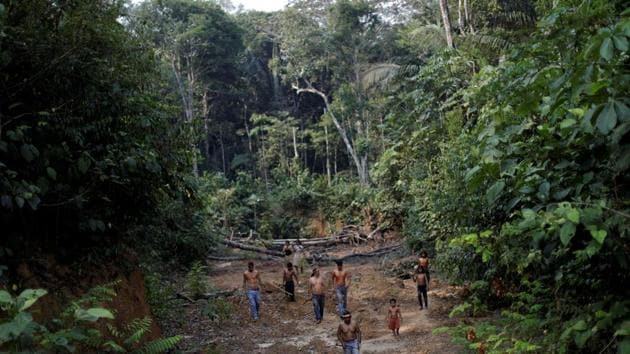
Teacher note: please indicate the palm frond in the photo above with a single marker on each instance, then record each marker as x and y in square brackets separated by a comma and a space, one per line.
[378, 74]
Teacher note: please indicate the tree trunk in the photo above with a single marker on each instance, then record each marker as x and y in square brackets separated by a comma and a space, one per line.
[252, 248]
[468, 16]
[327, 155]
[447, 23]
[187, 103]
[340, 129]
[295, 150]
[460, 17]
[206, 128]
[222, 151]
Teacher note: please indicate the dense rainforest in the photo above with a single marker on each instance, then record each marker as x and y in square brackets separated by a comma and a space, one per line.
[493, 134]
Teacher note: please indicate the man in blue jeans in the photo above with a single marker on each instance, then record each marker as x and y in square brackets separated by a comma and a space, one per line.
[349, 334]
[251, 285]
[317, 290]
[341, 282]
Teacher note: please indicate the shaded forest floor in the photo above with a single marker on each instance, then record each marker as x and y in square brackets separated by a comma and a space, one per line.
[289, 327]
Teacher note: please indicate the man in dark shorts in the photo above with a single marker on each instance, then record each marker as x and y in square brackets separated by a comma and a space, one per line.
[288, 275]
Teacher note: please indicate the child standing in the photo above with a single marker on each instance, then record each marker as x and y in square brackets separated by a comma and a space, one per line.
[394, 317]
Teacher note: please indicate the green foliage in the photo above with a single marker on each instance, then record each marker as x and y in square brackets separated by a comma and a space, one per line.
[196, 280]
[218, 310]
[74, 330]
[159, 294]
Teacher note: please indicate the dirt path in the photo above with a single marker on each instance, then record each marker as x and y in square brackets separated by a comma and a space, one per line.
[289, 327]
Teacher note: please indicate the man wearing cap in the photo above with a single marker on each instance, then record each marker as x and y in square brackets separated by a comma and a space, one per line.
[349, 334]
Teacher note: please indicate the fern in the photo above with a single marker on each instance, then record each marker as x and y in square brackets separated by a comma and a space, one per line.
[158, 346]
[137, 329]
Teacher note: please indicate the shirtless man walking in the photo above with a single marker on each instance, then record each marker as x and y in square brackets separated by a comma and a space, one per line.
[317, 290]
[349, 334]
[341, 283]
[251, 285]
[288, 275]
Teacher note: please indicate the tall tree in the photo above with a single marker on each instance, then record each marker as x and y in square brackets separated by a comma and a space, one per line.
[446, 22]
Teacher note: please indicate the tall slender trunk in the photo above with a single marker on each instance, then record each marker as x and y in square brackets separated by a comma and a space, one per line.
[206, 127]
[275, 80]
[446, 22]
[295, 150]
[363, 177]
[327, 155]
[222, 150]
[468, 15]
[460, 18]
[186, 94]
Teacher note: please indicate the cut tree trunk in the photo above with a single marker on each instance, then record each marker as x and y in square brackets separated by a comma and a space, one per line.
[252, 248]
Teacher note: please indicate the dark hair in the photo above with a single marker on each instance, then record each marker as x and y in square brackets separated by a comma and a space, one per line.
[339, 262]
[346, 314]
[286, 242]
[392, 300]
[424, 254]
[250, 264]
[313, 272]
[289, 264]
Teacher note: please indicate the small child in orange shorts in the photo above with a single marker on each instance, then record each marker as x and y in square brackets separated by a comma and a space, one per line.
[394, 317]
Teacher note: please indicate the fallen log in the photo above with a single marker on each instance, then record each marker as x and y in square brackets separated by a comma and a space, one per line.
[252, 248]
[207, 296]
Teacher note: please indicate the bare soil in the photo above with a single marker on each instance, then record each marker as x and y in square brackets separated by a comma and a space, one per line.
[289, 327]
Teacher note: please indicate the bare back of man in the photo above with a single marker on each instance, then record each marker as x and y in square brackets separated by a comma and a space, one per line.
[288, 275]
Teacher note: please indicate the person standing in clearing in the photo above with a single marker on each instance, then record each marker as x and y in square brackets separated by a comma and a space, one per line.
[287, 249]
[341, 282]
[288, 275]
[317, 290]
[394, 317]
[298, 256]
[423, 262]
[251, 285]
[421, 281]
[349, 334]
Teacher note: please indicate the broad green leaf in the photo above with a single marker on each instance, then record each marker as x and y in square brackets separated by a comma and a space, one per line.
[494, 191]
[621, 43]
[607, 119]
[13, 329]
[606, 50]
[624, 329]
[582, 337]
[599, 235]
[567, 123]
[579, 326]
[93, 314]
[6, 300]
[27, 152]
[83, 164]
[51, 173]
[573, 215]
[566, 233]
[28, 297]
[623, 112]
